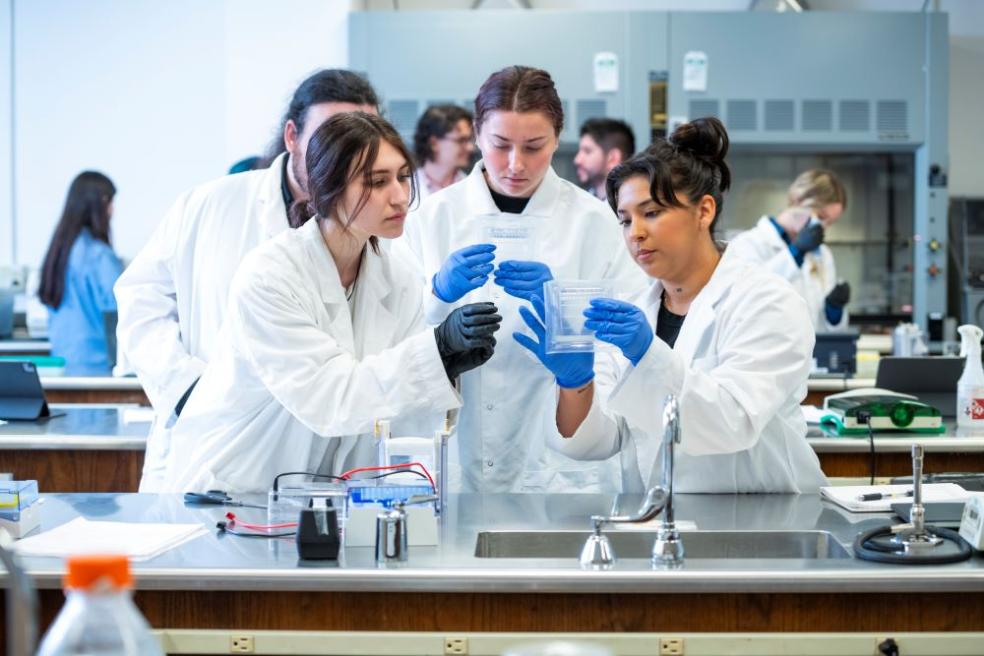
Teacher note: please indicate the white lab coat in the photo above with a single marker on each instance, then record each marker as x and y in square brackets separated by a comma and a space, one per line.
[424, 191]
[813, 280]
[739, 369]
[298, 379]
[172, 298]
[498, 447]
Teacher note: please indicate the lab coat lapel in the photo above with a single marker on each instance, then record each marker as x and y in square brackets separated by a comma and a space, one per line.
[328, 287]
[701, 315]
[375, 319]
[272, 211]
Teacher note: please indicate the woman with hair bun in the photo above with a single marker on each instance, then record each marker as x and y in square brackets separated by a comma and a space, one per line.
[730, 340]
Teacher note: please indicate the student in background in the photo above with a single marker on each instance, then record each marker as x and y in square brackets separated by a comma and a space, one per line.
[443, 145]
[791, 244]
[78, 275]
[605, 143]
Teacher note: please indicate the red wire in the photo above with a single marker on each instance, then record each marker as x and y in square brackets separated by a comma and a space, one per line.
[258, 527]
[405, 465]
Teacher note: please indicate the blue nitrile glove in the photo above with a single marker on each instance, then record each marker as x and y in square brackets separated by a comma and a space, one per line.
[522, 279]
[572, 370]
[621, 324]
[463, 271]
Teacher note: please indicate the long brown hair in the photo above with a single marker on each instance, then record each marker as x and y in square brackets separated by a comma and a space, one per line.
[343, 148]
[86, 207]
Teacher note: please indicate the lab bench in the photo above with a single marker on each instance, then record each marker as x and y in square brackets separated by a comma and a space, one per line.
[955, 450]
[224, 582]
[94, 449]
[93, 389]
[24, 346]
[80, 449]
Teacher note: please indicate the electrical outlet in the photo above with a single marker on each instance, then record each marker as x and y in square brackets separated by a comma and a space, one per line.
[455, 646]
[671, 647]
[241, 644]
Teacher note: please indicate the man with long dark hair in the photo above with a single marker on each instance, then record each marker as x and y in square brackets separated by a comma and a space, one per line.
[172, 298]
[78, 274]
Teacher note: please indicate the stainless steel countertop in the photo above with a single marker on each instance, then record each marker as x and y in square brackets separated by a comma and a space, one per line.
[77, 428]
[954, 440]
[214, 562]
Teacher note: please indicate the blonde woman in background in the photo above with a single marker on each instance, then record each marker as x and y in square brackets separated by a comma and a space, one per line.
[791, 244]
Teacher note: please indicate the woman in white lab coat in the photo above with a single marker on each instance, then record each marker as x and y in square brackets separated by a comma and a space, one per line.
[325, 332]
[731, 341]
[791, 245]
[518, 120]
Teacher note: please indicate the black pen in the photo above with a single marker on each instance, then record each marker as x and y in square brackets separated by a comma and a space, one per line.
[878, 496]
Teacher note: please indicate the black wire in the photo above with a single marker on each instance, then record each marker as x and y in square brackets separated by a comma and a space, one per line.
[867, 547]
[865, 417]
[223, 527]
[392, 473]
[276, 479]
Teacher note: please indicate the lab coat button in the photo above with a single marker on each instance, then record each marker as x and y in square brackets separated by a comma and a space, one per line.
[489, 462]
[489, 406]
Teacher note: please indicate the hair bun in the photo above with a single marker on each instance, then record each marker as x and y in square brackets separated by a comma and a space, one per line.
[707, 139]
[704, 137]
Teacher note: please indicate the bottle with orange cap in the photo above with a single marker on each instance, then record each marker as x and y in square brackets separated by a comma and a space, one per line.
[99, 616]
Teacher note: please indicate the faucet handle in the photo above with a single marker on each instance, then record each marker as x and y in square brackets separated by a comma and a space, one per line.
[652, 505]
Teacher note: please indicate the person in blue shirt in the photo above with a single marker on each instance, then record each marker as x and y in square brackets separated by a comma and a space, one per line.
[78, 274]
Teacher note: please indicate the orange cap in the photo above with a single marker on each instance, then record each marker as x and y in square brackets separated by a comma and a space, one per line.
[85, 571]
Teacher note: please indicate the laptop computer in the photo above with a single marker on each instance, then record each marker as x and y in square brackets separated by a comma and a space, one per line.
[932, 380]
[21, 395]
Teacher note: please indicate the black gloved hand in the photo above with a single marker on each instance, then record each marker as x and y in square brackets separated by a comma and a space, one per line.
[468, 328]
[809, 239]
[458, 363]
[840, 295]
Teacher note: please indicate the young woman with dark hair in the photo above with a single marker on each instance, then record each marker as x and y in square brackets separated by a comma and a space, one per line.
[518, 121]
[325, 332]
[78, 275]
[443, 144]
[730, 340]
[172, 297]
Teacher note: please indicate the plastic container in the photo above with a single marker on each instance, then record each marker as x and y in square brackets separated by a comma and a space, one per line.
[99, 617]
[565, 303]
[514, 239]
[970, 387]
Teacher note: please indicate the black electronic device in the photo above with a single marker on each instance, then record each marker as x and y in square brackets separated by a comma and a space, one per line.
[21, 394]
[317, 535]
[837, 352]
[933, 380]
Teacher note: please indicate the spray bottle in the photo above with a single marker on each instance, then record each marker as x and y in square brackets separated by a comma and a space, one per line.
[970, 387]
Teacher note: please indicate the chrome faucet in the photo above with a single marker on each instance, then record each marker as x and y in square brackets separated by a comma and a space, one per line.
[668, 547]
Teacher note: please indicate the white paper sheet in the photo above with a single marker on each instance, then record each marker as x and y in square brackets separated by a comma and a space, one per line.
[847, 496]
[81, 536]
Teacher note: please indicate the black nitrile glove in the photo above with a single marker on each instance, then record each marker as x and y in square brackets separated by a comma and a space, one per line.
[458, 363]
[809, 239]
[840, 295]
[468, 328]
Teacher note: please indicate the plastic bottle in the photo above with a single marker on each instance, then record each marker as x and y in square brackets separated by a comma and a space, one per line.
[99, 617]
[970, 387]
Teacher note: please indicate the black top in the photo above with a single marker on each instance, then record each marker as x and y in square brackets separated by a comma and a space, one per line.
[508, 204]
[285, 188]
[668, 325]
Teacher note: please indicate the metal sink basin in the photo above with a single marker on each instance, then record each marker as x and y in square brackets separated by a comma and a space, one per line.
[639, 544]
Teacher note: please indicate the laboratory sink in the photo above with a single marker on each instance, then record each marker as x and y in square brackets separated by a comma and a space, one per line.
[639, 544]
